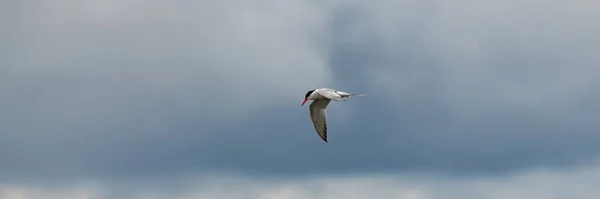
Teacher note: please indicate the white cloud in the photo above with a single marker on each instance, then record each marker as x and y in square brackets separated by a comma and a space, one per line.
[572, 183]
[76, 191]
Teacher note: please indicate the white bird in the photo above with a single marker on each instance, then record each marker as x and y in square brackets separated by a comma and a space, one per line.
[321, 98]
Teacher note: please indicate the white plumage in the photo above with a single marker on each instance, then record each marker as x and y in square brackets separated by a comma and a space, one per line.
[318, 108]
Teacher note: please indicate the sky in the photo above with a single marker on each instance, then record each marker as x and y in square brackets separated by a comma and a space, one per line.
[201, 99]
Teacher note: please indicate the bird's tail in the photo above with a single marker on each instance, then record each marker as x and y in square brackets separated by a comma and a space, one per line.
[345, 97]
[356, 94]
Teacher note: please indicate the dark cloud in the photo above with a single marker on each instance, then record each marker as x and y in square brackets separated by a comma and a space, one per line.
[450, 89]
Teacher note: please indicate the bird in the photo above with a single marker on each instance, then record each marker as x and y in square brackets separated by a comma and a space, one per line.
[318, 108]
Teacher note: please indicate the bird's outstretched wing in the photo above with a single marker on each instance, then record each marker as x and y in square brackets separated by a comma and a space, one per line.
[318, 116]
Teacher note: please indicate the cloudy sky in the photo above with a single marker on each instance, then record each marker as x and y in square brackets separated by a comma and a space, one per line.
[132, 99]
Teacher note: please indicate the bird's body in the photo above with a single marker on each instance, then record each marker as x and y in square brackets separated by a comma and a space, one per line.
[318, 108]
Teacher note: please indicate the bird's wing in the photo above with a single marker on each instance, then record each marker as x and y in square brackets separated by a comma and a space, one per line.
[318, 116]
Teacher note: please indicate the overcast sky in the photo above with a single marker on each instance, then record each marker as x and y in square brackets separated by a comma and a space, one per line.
[194, 99]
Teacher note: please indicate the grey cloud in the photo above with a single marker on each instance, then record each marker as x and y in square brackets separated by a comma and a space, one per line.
[92, 86]
[477, 86]
[113, 89]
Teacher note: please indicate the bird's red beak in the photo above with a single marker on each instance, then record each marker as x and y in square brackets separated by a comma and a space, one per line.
[304, 102]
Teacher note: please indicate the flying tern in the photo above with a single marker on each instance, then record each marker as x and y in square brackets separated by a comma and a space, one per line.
[321, 98]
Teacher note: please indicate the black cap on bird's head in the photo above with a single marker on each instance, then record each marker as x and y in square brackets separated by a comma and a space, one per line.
[306, 96]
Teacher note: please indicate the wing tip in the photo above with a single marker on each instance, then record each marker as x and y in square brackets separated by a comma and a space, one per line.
[323, 137]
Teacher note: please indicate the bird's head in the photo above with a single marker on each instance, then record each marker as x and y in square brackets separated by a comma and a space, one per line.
[307, 95]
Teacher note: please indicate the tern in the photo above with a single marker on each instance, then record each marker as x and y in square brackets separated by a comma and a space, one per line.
[321, 98]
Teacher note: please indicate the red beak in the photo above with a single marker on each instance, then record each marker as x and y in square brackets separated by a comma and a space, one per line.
[303, 102]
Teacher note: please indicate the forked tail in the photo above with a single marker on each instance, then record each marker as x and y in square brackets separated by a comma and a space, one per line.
[356, 94]
[346, 96]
